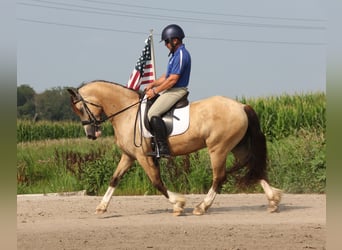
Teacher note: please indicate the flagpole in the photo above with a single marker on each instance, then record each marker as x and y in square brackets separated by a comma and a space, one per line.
[152, 56]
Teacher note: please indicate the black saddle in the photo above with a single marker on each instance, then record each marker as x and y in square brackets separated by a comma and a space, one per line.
[168, 116]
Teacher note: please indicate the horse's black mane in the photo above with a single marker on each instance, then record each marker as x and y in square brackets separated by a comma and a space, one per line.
[117, 84]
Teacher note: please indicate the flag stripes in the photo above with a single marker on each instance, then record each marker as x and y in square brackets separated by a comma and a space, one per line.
[144, 70]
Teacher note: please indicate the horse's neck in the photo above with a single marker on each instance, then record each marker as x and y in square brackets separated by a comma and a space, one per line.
[122, 104]
[115, 98]
[112, 95]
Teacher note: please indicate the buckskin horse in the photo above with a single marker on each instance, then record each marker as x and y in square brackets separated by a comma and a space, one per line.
[221, 124]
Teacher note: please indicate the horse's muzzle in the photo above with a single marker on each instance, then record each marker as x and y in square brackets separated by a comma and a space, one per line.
[93, 137]
[92, 131]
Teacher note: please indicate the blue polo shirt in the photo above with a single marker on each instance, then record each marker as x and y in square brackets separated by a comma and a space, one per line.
[180, 64]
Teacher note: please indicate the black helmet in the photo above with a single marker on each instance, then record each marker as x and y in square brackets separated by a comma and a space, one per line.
[172, 31]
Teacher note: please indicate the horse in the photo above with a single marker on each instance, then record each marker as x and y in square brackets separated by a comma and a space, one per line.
[220, 124]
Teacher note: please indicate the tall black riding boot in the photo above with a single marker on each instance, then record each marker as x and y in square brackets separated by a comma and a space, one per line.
[159, 131]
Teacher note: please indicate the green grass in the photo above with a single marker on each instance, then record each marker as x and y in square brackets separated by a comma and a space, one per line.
[45, 166]
[297, 164]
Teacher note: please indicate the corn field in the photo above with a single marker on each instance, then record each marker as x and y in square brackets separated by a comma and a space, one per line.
[285, 115]
[43, 130]
[280, 116]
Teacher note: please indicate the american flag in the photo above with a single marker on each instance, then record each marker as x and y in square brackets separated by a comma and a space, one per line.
[144, 70]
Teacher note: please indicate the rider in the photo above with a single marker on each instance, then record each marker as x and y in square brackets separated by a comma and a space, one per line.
[171, 86]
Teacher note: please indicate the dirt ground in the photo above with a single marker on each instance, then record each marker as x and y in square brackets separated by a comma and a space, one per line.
[235, 221]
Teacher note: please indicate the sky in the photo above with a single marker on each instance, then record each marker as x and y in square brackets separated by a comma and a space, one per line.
[250, 48]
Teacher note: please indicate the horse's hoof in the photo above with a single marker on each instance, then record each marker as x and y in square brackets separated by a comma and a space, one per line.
[178, 208]
[198, 211]
[100, 210]
[273, 207]
[273, 204]
[177, 213]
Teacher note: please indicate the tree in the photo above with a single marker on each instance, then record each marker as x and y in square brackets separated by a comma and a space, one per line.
[26, 107]
[54, 105]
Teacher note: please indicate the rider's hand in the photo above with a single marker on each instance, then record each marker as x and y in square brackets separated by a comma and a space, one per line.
[150, 93]
[149, 86]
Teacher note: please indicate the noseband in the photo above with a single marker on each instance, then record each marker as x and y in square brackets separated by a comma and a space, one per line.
[92, 119]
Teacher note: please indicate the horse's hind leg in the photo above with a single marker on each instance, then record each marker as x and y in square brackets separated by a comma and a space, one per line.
[218, 161]
[201, 208]
[273, 195]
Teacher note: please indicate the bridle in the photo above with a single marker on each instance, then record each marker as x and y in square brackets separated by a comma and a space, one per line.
[92, 119]
[95, 123]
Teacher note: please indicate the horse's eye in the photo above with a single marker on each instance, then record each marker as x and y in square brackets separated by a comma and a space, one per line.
[78, 111]
[81, 110]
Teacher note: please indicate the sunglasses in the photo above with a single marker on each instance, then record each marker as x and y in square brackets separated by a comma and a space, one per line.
[167, 41]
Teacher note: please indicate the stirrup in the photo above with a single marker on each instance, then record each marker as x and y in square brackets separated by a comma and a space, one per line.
[152, 154]
[165, 155]
[157, 154]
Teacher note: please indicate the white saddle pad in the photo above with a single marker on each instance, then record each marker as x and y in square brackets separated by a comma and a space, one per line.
[180, 124]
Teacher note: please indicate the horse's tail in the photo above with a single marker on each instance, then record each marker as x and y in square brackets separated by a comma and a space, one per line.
[250, 164]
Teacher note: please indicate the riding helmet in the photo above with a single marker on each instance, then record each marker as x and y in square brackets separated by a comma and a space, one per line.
[172, 31]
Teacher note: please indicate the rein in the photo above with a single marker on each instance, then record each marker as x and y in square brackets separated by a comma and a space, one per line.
[121, 111]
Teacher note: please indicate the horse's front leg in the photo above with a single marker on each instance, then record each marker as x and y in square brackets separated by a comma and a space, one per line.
[178, 201]
[124, 164]
[153, 172]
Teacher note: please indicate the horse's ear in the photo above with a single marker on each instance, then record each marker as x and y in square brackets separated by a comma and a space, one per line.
[72, 92]
[74, 95]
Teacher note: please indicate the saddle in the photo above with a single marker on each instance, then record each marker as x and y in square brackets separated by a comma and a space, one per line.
[167, 117]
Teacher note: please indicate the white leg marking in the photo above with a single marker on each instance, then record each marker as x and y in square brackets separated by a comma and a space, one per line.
[209, 199]
[178, 202]
[267, 189]
[102, 207]
[108, 195]
[273, 195]
[172, 197]
[201, 208]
